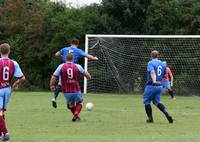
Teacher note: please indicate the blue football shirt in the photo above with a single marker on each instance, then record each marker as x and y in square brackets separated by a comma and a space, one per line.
[160, 70]
[77, 53]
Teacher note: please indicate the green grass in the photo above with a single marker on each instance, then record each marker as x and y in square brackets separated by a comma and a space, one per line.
[115, 118]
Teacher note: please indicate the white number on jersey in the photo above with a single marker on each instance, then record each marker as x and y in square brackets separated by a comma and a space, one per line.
[159, 71]
[71, 51]
[70, 73]
[6, 73]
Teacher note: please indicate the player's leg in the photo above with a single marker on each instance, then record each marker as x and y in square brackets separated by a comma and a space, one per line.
[5, 94]
[171, 93]
[56, 93]
[166, 85]
[160, 106]
[147, 103]
[79, 105]
[70, 101]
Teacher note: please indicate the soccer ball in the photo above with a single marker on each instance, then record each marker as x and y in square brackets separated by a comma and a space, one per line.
[89, 106]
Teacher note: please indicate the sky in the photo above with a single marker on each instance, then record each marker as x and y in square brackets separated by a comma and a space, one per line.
[78, 3]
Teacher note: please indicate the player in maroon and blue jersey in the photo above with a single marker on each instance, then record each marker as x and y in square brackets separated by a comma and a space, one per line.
[156, 70]
[8, 70]
[69, 73]
[77, 54]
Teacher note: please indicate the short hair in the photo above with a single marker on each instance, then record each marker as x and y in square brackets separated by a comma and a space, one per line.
[75, 41]
[154, 54]
[70, 57]
[4, 48]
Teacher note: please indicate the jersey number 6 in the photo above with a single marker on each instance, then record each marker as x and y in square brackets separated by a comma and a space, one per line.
[159, 71]
[6, 73]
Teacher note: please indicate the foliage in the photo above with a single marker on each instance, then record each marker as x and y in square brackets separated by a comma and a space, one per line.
[37, 29]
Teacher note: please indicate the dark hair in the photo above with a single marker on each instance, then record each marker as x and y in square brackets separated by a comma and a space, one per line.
[154, 54]
[4, 48]
[70, 57]
[75, 41]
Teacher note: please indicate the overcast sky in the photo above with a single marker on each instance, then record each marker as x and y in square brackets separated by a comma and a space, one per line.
[78, 3]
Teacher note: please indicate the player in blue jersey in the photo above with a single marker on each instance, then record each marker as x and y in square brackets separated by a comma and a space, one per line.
[156, 70]
[77, 54]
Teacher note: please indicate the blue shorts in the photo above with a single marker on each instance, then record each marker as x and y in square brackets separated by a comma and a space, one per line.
[5, 94]
[72, 98]
[166, 84]
[152, 93]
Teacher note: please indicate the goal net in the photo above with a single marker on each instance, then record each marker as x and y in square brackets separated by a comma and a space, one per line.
[122, 63]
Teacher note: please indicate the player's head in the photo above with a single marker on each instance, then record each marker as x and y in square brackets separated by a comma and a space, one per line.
[154, 54]
[69, 57]
[5, 49]
[75, 42]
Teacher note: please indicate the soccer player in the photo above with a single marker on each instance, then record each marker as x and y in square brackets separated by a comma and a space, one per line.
[77, 53]
[69, 73]
[168, 84]
[8, 70]
[156, 70]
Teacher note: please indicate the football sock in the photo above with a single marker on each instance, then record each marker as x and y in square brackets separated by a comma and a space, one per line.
[73, 109]
[171, 93]
[148, 110]
[57, 91]
[78, 109]
[3, 128]
[161, 107]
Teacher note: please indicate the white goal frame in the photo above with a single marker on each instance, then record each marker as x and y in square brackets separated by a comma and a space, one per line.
[87, 36]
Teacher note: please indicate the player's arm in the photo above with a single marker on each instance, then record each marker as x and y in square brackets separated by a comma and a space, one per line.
[83, 72]
[153, 76]
[87, 75]
[54, 77]
[60, 53]
[52, 82]
[19, 75]
[17, 82]
[171, 76]
[90, 57]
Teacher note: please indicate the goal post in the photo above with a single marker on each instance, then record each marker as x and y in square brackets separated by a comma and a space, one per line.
[121, 67]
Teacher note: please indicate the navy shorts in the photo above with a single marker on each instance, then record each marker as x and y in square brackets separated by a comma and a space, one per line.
[152, 94]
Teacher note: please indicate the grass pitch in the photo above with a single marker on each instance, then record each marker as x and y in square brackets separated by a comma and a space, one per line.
[115, 118]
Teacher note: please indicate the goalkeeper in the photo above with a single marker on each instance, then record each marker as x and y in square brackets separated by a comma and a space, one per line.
[167, 81]
[77, 53]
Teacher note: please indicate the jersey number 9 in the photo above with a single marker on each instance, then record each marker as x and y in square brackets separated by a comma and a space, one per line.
[70, 73]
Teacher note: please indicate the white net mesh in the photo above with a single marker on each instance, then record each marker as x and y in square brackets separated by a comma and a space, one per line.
[121, 67]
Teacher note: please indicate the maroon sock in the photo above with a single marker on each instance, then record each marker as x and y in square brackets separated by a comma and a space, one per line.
[78, 109]
[3, 128]
[73, 109]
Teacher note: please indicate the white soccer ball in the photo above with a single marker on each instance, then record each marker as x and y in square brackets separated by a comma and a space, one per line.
[89, 106]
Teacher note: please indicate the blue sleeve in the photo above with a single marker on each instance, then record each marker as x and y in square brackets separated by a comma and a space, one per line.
[82, 53]
[62, 51]
[80, 68]
[150, 67]
[18, 72]
[57, 72]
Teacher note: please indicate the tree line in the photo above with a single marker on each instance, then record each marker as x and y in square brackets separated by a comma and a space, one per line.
[36, 29]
